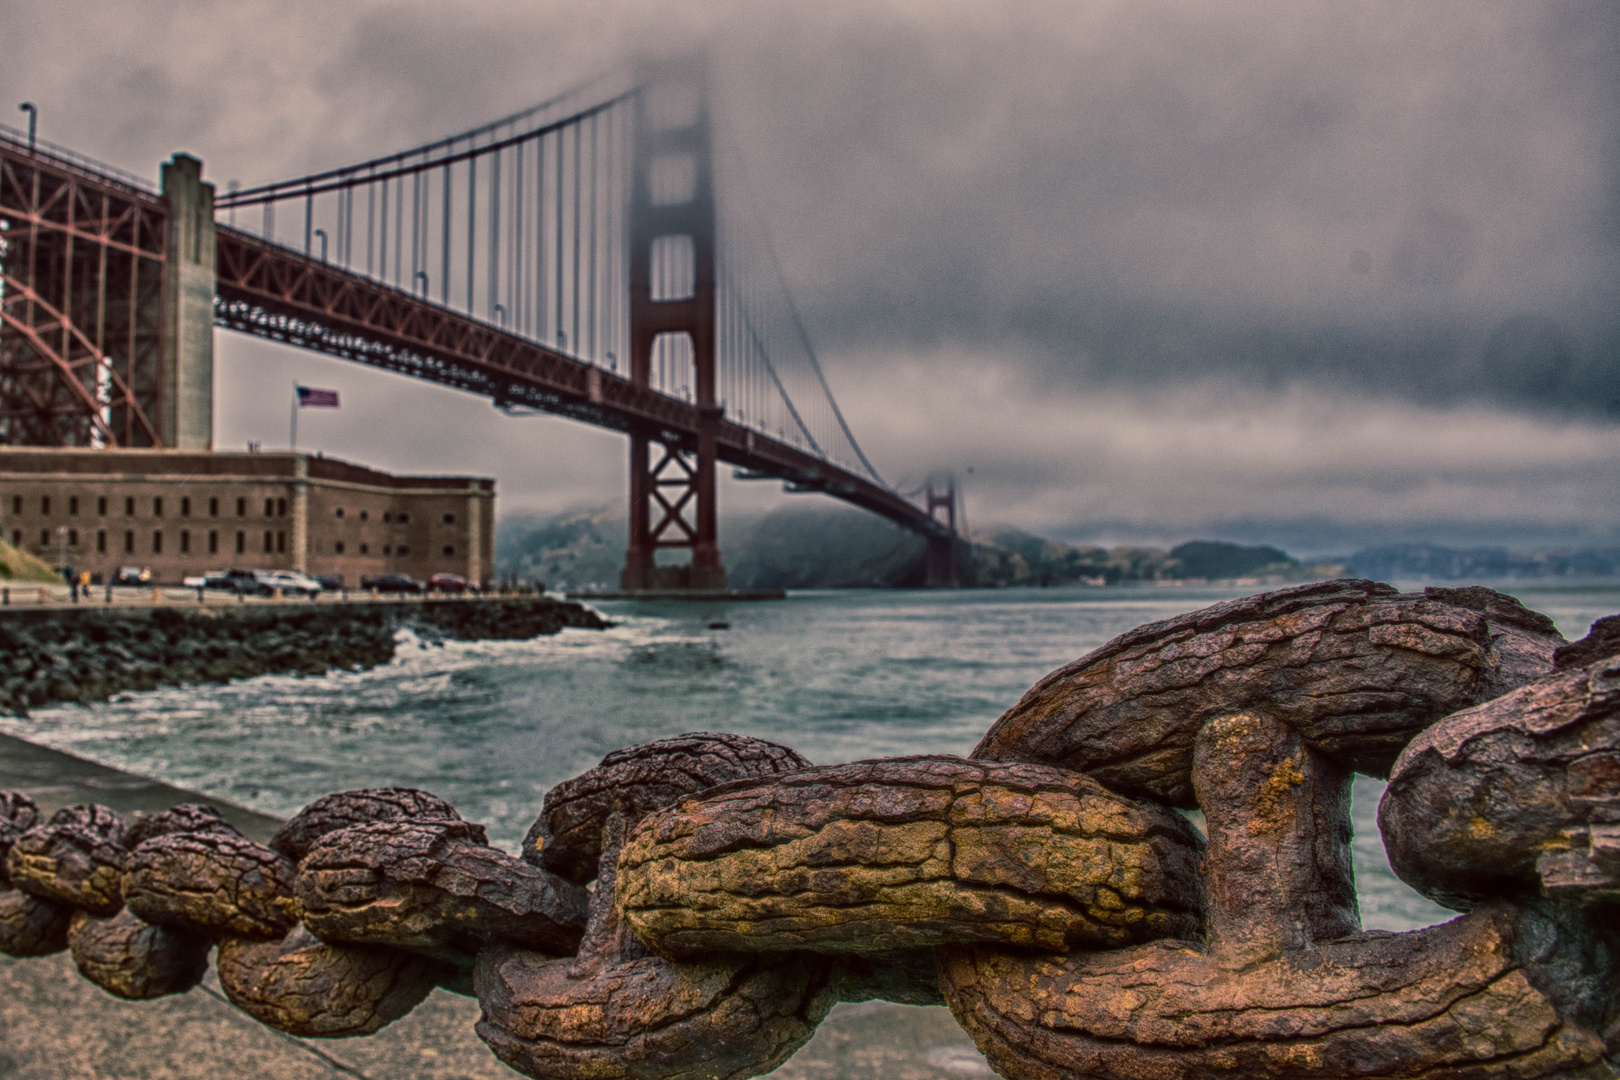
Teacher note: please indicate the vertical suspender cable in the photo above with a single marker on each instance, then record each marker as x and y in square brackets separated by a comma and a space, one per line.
[444, 241]
[562, 336]
[611, 345]
[382, 236]
[579, 135]
[472, 225]
[399, 230]
[540, 240]
[494, 296]
[416, 232]
[590, 311]
[309, 220]
[371, 222]
[520, 250]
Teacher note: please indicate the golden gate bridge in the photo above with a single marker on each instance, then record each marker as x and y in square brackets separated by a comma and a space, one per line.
[583, 257]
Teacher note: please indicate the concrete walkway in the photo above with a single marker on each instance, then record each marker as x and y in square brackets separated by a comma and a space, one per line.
[54, 1025]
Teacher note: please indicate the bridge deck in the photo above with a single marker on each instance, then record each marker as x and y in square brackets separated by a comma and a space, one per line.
[274, 292]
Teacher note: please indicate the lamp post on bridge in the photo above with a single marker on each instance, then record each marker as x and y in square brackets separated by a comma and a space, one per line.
[33, 121]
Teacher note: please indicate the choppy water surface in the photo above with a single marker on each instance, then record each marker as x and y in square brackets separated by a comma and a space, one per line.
[490, 726]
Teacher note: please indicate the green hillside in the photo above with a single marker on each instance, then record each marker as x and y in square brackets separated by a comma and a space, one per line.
[812, 545]
[18, 565]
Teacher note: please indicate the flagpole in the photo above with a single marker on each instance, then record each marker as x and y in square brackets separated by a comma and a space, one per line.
[292, 435]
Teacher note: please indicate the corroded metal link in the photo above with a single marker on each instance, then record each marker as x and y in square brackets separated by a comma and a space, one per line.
[212, 883]
[133, 959]
[567, 836]
[1048, 892]
[1520, 792]
[1355, 667]
[910, 852]
[303, 986]
[617, 1010]
[436, 888]
[75, 858]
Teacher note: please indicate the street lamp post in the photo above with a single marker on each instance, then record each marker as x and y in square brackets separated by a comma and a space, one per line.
[33, 121]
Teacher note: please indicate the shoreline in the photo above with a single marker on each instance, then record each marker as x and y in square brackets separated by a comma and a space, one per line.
[59, 654]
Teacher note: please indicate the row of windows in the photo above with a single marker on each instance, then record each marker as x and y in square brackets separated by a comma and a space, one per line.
[273, 542]
[392, 518]
[402, 549]
[272, 507]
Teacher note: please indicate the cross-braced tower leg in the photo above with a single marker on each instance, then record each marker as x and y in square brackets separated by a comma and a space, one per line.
[672, 313]
[943, 571]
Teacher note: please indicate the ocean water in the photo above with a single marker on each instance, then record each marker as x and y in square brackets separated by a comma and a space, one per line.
[838, 676]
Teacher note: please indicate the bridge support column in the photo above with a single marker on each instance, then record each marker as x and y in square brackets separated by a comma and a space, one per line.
[638, 558]
[673, 311]
[943, 568]
[187, 408]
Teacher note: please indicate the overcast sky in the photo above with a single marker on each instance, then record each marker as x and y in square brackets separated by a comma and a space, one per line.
[1313, 273]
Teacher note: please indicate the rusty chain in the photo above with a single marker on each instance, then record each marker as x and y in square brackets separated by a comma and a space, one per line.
[694, 906]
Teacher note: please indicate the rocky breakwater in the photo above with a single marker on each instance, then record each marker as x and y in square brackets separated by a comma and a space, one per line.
[88, 654]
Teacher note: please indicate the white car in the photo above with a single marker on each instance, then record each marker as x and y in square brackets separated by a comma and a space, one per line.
[290, 582]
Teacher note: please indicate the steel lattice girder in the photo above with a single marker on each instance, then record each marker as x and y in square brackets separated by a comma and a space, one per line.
[80, 304]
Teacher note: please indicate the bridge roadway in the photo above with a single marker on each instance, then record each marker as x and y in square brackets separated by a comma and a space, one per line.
[274, 292]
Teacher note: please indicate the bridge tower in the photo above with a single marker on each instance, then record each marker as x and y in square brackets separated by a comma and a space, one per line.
[943, 555]
[672, 312]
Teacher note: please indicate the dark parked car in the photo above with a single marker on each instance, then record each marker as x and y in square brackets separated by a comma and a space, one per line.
[447, 583]
[330, 582]
[400, 583]
[236, 581]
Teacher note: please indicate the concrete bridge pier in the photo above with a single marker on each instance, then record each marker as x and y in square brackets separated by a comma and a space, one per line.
[186, 407]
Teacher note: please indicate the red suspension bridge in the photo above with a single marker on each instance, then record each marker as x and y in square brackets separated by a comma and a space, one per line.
[583, 257]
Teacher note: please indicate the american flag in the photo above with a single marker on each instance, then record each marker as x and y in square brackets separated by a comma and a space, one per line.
[310, 397]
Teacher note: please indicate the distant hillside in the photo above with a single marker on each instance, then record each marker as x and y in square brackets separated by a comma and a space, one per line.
[579, 548]
[797, 547]
[1011, 557]
[1432, 562]
[811, 546]
[818, 547]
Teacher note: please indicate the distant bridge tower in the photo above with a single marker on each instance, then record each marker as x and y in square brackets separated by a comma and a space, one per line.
[672, 315]
[943, 554]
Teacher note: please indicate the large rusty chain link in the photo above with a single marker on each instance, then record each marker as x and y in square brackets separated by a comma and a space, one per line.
[693, 907]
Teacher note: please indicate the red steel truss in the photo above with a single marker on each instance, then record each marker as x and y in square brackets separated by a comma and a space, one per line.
[81, 293]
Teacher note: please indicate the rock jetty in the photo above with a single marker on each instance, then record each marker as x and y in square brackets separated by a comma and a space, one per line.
[52, 655]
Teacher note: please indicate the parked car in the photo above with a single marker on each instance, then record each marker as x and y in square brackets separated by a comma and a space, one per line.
[234, 580]
[400, 583]
[290, 582]
[133, 575]
[330, 582]
[448, 583]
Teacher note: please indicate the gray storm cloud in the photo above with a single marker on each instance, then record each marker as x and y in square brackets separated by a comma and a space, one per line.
[1323, 236]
